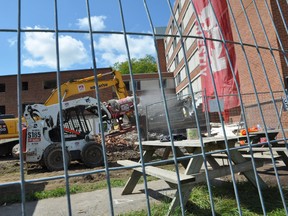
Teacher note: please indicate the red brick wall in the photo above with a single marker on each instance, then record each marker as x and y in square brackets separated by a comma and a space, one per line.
[161, 55]
[264, 71]
[36, 92]
[259, 67]
[281, 31]
[10, 94]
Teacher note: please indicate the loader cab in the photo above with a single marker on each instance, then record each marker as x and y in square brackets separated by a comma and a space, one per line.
[78, 122]
[75, 123]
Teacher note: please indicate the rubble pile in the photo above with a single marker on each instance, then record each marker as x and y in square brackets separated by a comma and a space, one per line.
[122, 147]
[120, 143]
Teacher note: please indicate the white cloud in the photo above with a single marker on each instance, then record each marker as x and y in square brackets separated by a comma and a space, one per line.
[111, 49]
[41, 49]
[97, 23]
[111, 57]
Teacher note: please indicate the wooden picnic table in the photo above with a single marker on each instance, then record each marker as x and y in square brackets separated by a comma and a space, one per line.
[276, 146]
[192, 165]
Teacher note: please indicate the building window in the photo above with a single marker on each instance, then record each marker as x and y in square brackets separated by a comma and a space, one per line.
[127, 85]
[164, 83]
[174, 42]
[137, 85]
[176, 60]
[194, 61]
[187, 16]
[172, 27]
[182, 74]
[180, 95]
[180, 54]
[286, 82]
[171, 50]
[182, 3]
[24, 86]
[177, 12]
[2, 87]
[50, 84]
[165, 43]
[177, 79]
[172, 66]
[177, 38]
[2, 110]
[192, 37]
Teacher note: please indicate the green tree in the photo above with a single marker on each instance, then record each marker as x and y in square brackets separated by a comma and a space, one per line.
[141, 65]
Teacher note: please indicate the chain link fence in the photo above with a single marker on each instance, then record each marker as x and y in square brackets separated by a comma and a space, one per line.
[182, 115]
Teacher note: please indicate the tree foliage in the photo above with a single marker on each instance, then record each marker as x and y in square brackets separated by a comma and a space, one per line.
[141, 65]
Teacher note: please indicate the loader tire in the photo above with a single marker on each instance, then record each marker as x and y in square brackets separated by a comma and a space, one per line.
[53, 158]
[91, 155]
[42, 163]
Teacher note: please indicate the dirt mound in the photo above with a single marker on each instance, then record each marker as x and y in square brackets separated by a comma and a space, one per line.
[121, 147]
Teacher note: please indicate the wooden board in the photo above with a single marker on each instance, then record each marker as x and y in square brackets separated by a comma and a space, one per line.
[160, 173]
[191, 143]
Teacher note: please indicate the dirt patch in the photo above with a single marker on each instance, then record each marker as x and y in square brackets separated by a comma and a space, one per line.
[10, 172]
[118, 148]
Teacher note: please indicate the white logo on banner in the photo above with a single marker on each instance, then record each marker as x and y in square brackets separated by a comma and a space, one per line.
[211, 30]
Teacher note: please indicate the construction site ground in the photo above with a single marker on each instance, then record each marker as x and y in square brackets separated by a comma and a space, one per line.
[118, 148]
[97, 202]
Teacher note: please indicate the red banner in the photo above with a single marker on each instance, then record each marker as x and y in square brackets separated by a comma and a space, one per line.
[221, 70]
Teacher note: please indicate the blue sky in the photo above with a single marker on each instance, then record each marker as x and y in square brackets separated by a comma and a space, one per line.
[38, 49]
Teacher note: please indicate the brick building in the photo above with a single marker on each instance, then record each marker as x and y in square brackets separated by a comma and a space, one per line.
[262, 66]
[37, 87]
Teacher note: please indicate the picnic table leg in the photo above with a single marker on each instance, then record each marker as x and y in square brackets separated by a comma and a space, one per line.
[195, 163]
[194, 167]
[283, 157]
[166, 153]
[213, 162]
[238, 158]
[133, 180]
[186, 191]
[178, 152]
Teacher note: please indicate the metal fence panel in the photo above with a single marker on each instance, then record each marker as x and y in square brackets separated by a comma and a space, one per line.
[260, 40]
